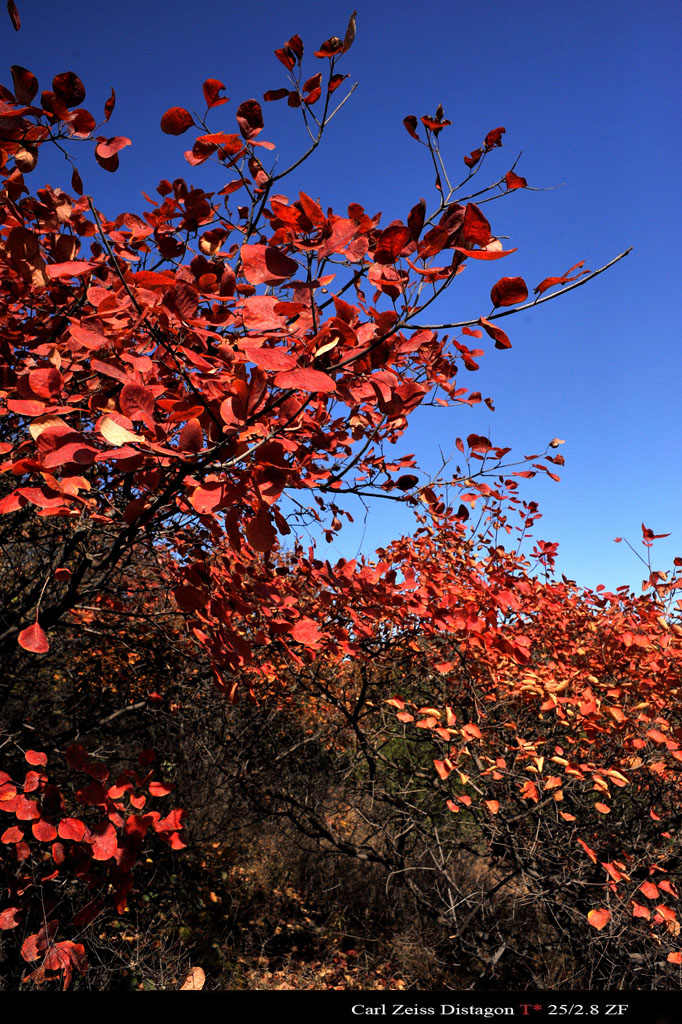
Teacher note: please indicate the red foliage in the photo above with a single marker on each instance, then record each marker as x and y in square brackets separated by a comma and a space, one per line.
[180, 375]
[110, 829]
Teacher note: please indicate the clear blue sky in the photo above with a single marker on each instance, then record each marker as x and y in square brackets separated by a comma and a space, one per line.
[589, 91]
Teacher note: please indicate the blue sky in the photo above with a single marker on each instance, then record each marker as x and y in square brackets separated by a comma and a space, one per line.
[587, 91]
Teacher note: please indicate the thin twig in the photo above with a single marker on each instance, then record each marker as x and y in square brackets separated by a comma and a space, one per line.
[528, 305]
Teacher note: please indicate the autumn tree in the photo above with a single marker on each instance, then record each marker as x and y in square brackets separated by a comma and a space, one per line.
[521, 781]
[184, 389]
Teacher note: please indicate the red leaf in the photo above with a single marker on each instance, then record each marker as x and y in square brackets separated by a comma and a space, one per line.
[508, 291]
[307, 632]
[291, 52]
[494, 138]
[313, 96]
[473, 158]
[549, 282]
[475, 229]
[35, 757]
[206, 499]
[32, 946]
[106, 148]
[265, 264]
[415, 219]
[275, 94]
[391, 242]
[330, 47]
[61, 449]
[410, 123]
[69, 89]
[26, 810]
[192, 436]
[351, 31]
[259, 314]
[306, 380]
[88, 338]
[435, 124]
[109, 106]
[8, 918]
[82, 123]
[45, 383]
[312, 210]
[44, 832]
[72, 828]
[212, 88]
[648, 534]
[176, 120]
[335, 81]
[105, 844]
[25, 84]
[250, 118]
[406, 482]
[260, 532]
[11, 835]
[313, 83]
[286, 58]
[171, 822]
[72, 268]
[229, 143]
[14, 14]
[158, 789]
[11, 503]
[33, 639]
[32, 781]
[137, 402]
[514, 181]
[109, 164]
[501, 339]
[272, 359]
[484, 254]
[478, 443]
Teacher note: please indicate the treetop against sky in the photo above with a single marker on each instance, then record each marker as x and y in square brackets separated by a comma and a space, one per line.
[586, 100]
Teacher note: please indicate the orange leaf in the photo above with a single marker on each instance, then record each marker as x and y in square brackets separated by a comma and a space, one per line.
[471, 731]
[599, 918]
[195, 980]
[590, 853]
